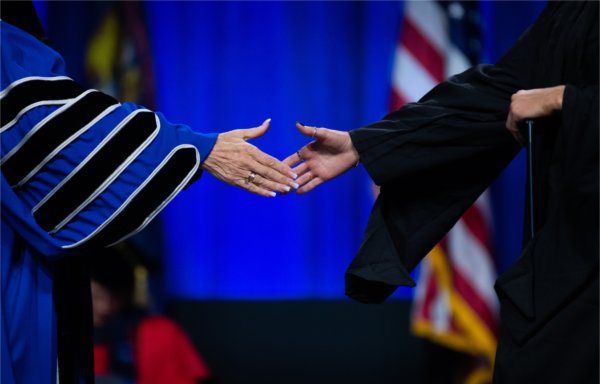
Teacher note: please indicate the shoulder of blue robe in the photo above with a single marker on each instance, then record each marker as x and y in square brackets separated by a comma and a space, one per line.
[90, 170]
[27, 55]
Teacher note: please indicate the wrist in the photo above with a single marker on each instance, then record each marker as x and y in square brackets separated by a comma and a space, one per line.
[558, 97]
[206, 144]
[354, 156]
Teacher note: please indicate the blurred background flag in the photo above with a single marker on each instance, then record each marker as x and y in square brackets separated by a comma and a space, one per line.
[454, 304]
[118, 58]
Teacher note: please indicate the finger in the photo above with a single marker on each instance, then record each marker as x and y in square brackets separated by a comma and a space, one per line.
[271, 162]
[270, 185]
[305, 178]
[520, 139]
[512, 126]
[251, 187]
[278, 181]
[509, 123]
[310, 186]
[253, 133]
[293, 159]
[301, 170]
[306, 130]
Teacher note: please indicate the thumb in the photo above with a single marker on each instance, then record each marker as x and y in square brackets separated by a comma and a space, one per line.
[253, 133]
[306, 131]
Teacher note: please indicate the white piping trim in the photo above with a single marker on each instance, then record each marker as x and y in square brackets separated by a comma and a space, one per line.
[110, 178]
[137, 191]
[29, 108]
[68, 141]
[30, 78]
[41, 124]
[164, 203]
[88, 158]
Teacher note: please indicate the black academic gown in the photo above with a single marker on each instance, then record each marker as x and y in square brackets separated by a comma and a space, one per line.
[432, 160]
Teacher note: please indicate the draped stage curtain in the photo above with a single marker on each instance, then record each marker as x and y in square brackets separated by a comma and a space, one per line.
[225, 65]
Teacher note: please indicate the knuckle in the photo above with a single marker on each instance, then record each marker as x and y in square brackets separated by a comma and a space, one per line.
[245, 162]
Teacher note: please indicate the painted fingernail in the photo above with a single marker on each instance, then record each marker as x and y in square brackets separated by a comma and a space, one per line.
[294, 176]
[267, 121]
[287, 189]
[295, 185]
[273, 194]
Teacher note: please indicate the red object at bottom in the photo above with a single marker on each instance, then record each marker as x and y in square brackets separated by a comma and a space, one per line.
[165, 354]
[101, 360]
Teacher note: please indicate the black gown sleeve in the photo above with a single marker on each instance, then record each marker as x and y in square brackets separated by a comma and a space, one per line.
[432, 160]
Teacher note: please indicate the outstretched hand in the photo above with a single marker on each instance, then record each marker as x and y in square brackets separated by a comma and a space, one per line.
[328, 156]
[237, 162]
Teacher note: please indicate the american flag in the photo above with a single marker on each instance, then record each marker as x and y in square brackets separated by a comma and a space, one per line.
[455, 304]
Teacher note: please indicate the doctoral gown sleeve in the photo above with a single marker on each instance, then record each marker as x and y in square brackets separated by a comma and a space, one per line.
[90, 170]
[432, 160]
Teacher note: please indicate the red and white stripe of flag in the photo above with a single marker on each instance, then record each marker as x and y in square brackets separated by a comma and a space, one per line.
[455, 303]
[424, 54]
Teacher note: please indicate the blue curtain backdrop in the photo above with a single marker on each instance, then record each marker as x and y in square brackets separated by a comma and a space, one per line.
[233, 64]
[226, 65]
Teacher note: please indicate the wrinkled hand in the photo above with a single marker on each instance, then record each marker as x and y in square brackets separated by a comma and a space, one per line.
[328, 156]
[531, 104]
[233, 161]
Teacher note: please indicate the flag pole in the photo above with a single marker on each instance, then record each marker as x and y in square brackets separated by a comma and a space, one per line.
[529, 124]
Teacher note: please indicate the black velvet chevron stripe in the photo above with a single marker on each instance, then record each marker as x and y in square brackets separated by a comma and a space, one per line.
[35, 91]
[90, 177]
[52, 134]
[153, 194]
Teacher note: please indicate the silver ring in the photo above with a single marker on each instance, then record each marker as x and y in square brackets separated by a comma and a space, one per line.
[314, 133]
[251, 177]
[299, 156]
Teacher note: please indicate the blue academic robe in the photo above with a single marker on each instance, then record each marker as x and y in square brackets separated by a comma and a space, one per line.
[79, 170]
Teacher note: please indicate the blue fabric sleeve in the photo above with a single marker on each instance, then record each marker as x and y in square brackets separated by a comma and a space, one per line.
[118, 168]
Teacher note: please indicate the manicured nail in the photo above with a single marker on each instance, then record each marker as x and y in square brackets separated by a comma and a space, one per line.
[267, 121]
[294, 176]
[287, 189]
[295, 185]
[273, 194]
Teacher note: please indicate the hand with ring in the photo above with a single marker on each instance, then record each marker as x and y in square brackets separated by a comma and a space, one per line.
[237, 162]
[328, 156]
